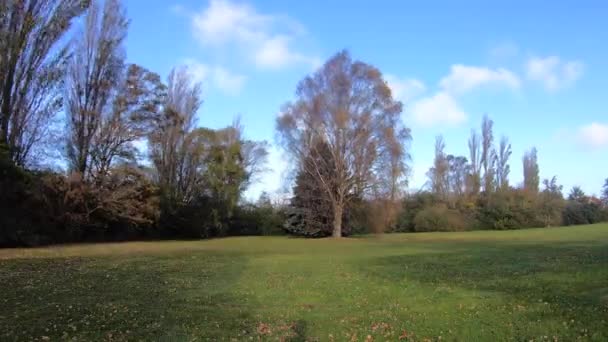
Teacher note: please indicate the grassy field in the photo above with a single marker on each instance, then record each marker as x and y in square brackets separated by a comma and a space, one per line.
[540, 284]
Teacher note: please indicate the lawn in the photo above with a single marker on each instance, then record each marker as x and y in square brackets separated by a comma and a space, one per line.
[538, 284]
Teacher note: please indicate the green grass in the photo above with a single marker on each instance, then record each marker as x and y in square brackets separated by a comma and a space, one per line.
[539, 284]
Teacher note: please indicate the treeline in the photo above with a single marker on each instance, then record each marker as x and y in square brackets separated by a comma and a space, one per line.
[474, 192]
[93, 148]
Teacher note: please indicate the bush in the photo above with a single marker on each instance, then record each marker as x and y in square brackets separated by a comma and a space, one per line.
[411, 206]
[250, 219]
[576, 213]
[40, 208]
[23, 220]
[439, 218]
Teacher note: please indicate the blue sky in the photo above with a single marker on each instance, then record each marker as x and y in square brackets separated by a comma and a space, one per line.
[539, 69]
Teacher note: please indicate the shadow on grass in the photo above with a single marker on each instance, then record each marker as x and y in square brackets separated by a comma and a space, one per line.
[570, 278]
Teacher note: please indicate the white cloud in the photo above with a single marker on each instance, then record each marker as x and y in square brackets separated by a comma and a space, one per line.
[439, 109]
[275, 53]
[266, 39]
[405, 90]
[216, 76]
[594, 135]
[463, 78]
[227, 81]
[554, 73]
[443, 108]
[225, 21]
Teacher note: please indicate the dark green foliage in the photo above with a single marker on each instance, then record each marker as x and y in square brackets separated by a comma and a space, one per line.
[217, 175]
[439, 218]
[508, 209]
[16, 203]
[257, 219]
[310, 213]
[581, 209]
[305, 222]
[412, 205]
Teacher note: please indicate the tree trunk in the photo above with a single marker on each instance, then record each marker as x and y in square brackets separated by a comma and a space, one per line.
[338, 210]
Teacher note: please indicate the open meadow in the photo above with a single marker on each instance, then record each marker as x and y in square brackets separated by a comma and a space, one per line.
[537, 284]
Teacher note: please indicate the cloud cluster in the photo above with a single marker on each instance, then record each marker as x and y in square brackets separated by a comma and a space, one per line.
[405, 90]
[216, 76]
[463, 79]
[442, 108]
[267, 40]
[594, 135]
[553, 73]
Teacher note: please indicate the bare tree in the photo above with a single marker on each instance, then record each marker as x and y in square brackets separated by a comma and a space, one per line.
[531, 171]
[136, 106]
[94, 75]
[488, 154]
[347, 106]
[31, 69]
[172, 147]
[474, 181]
[439, 172]
[502, 164]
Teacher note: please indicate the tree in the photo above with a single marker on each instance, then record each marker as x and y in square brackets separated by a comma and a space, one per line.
[201, 172]
[310, 213]
[134, 109]
[531, 171]
[502, 164]
[551, 203]
[605, 193]
[226, 169]
[173, 149]
[439, 172]
[348, 106]
[457, 176]
[32, 67]
[488, 154]
[581, 209]
[577, 195]
[94, 75]
[474, 179]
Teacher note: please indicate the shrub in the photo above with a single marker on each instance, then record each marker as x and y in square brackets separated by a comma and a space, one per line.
[576, 213]
[251, 219]
[439, 218]
[411, 206]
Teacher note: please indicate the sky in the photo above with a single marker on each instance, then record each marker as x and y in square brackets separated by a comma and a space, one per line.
[538, 69]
